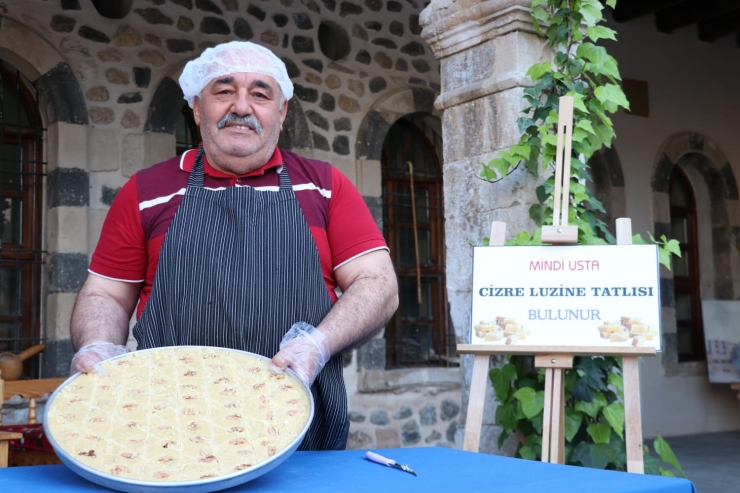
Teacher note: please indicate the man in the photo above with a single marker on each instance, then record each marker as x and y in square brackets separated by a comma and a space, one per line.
[237, 242]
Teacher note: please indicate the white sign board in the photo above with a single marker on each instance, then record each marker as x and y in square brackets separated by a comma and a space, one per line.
[576, 296]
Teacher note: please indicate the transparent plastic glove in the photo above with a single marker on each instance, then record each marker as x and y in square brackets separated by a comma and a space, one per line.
[88, 358]
[304, 350]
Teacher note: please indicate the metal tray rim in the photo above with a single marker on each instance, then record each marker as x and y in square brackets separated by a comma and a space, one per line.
[191, 486]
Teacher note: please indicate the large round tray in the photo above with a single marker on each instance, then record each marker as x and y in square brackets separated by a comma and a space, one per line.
[194, 486]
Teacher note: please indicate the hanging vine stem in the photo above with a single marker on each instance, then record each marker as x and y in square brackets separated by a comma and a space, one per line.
[594, 414]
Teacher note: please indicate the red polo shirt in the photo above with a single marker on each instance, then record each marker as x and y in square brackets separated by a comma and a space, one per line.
[133, 232]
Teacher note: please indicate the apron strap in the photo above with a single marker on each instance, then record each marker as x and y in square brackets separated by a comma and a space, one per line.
[196, 174]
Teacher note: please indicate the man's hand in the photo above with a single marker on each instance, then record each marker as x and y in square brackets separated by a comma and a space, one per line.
[87, 359]
[303, 350]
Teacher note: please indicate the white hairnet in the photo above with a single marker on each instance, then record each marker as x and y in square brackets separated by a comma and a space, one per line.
[231, 58]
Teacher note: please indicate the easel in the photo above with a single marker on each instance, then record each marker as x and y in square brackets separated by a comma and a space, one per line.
[556, 360]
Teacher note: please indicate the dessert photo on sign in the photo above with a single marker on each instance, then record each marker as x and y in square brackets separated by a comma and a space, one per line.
[627, 329]
[500, 329]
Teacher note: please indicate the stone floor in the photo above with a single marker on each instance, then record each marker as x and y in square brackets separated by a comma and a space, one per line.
[711, 461]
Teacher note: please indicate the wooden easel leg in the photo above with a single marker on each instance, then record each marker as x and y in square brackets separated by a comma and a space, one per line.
[476, 403]
[632, 415]
[557, 436]
[547, 415]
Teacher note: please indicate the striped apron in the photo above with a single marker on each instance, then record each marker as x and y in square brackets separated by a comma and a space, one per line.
[238, 267]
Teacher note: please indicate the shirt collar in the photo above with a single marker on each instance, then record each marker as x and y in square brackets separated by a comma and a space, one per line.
[187, 161]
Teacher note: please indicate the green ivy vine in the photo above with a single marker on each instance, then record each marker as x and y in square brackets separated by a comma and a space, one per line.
[594, 413]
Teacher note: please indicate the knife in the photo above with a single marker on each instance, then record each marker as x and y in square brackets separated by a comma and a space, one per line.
[388, 462]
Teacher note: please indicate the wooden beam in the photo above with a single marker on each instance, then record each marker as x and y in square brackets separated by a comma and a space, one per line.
[692, 12]
[628, 10]
[719, 27]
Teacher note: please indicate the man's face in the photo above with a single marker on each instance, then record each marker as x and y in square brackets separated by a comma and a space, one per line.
[240, 116]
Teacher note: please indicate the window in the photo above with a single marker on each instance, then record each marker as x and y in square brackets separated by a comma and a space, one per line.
[689, 327]
[21, 194]
[417, 335]
[187, 133]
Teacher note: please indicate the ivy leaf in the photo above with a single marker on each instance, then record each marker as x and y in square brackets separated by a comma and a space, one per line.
[500, 386]
[527, 452]
[673, 246]
[611, 93]
[506, 416]
[591, 12]
[592, 408]
[537, 214]
[666, 454]
[573, 420]
[614, 414]
[537, 70]
[596, 455]
[501, 379]
[596, 33]
[532, 401]
[611, 3]
[586, 125]
[599, 432]
[638, 240]
[522, 238]
[616, 380]
[522, 151]
[664, 257]
[652, 465]
[524, 123]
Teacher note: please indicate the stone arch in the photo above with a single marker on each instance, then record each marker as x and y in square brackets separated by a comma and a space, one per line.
[607, 182]
[708, 162]
[59, 92]
[384, 113]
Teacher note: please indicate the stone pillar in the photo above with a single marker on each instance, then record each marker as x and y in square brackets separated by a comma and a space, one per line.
[485, 48]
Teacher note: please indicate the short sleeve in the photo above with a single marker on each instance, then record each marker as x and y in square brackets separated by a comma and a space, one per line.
[121, 253]
[352, 231]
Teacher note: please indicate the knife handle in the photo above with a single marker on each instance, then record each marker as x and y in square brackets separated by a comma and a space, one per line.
[379, 459]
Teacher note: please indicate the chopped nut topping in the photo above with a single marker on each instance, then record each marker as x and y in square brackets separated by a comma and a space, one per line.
[192, 426]
[197, 439]
[161, 474]
[258, 386]
[165, 458]
[168, 444]
[129, 455]
[241, 467]
[90, 453]
[97, 419]
[238, 441]
[271, 451]
[255, 369]
[221, 380]
[236, 429]
[119, 470]
[191, 373]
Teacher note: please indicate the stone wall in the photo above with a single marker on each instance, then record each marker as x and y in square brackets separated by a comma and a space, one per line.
[110, 100]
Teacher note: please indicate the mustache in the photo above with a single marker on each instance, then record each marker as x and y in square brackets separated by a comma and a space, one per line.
[250, 120]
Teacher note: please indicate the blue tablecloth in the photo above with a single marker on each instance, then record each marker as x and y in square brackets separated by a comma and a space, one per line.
[440, 469]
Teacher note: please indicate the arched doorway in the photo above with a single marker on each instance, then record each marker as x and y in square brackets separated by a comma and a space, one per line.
[22, 173]
[417, 335]
[685, 269]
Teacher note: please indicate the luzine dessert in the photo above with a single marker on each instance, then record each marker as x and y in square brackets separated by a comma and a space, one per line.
[178, 414]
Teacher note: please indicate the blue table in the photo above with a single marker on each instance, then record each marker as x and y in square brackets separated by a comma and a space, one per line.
[440, 469]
